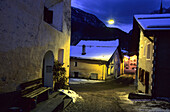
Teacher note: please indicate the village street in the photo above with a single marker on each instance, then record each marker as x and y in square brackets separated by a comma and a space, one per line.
[111, 96]
[102, 96]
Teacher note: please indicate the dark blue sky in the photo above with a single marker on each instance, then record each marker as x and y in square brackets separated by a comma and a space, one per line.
[121, 11]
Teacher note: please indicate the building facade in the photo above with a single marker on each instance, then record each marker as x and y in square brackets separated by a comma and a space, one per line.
[115, 65]
[153, 32]
[89, 58]
[89, 69]
[130, 64]
[33, 35]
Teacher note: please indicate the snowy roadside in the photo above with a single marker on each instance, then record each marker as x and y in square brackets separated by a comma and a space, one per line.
[142, 105]
[72, 94]
[83, 81]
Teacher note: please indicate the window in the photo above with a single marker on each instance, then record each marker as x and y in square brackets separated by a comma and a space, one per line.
[142, 74]
[75, 64]
[48, 15]
[144, 52]
[148, 51]
[61, 56]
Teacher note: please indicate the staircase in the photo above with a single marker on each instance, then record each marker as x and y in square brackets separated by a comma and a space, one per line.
[57, 101]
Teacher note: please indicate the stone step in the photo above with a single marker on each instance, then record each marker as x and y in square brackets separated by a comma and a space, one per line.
[67, 101]
[51, 104]
[54, 94]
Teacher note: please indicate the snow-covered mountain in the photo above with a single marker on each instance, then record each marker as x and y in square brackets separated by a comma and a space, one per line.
[86, 26]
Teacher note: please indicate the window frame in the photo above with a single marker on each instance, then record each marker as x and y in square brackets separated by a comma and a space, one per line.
[149, 52]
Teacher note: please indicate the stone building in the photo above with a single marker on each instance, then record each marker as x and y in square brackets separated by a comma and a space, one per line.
[33, 34]
[153, 72]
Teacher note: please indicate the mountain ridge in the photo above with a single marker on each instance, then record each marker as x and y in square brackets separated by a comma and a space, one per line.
[86, 26]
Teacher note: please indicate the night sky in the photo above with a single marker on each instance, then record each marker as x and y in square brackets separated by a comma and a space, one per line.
[121, 11]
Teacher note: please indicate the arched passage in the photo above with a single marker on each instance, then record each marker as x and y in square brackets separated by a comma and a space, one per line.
[47, 75]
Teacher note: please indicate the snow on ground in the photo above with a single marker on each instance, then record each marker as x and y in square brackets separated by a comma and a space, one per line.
[152, 106]
[142, 105]
[83, 81]
[72, 94]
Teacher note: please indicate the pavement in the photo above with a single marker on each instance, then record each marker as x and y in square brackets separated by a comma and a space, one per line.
[112, 96]
[100, 96]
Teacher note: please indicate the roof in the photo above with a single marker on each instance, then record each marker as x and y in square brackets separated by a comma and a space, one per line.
[154, 21]
[98, 50]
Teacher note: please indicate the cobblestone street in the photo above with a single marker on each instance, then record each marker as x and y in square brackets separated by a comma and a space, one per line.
[112, 96]
[109, 96]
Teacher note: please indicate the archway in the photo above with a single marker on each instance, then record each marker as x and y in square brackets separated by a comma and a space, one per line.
[47, 75]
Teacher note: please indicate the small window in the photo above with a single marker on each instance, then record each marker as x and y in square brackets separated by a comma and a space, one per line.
[75, 64]
[144, 51]
[148, 51]
[61, 56]
[48, 15]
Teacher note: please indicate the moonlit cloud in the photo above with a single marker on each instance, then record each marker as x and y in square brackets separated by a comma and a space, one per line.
[121, 11]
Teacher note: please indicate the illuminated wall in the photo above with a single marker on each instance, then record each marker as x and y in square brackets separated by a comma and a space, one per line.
[145, 62]
[26, 37]
[130, 64]
[115, 66]
[84, 68]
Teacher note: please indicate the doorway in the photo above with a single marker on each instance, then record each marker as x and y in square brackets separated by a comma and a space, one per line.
[147, 82]
[47, 73]
[76, 74]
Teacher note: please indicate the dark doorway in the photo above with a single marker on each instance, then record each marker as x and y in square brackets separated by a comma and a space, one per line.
[147, 82]
[76, 74]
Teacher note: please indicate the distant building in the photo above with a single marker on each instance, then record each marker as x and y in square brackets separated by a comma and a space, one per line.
[115, 64]
[33, 34]
[89, 59]
[153, 60]
[130, 64]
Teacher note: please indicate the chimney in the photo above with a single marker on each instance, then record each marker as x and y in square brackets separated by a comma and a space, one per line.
[161, 9]
[83, 50]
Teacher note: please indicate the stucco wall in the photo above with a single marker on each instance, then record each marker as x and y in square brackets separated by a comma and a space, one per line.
[24, 40]
[85, 68]
[115, 66]
[143, 62]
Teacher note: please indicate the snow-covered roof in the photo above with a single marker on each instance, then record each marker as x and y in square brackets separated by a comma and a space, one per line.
[154, 21]
[99, 50]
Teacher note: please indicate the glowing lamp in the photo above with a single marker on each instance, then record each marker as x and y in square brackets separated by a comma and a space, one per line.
[111, 21]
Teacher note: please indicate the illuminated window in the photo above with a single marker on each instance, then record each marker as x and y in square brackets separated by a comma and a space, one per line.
[75, 64]
[148, 51]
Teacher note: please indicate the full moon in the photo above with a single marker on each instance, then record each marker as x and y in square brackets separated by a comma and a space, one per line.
[111, 21]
